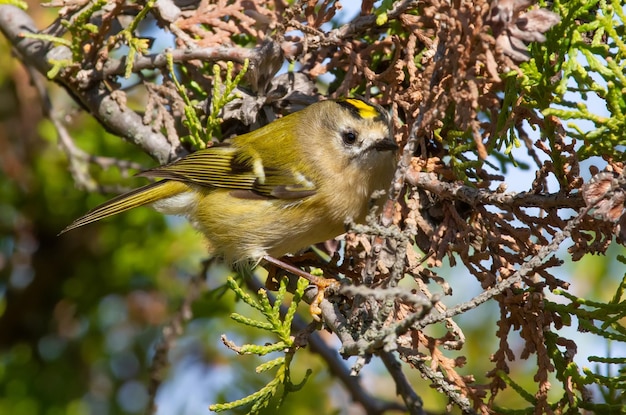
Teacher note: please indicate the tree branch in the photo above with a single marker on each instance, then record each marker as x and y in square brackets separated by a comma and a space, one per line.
[506, 201]
[97, 99]
[114, 67]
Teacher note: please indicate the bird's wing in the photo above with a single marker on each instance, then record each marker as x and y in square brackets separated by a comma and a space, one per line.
[228, 167]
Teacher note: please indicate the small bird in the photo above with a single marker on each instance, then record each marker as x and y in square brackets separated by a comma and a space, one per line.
[276, 190]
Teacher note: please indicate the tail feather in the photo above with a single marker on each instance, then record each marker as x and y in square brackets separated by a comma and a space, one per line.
[137, 197]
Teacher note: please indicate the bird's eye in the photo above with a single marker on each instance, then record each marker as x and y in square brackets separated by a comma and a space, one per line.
[349, 137]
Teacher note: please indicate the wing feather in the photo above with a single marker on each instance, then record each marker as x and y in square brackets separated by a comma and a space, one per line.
[229, 167]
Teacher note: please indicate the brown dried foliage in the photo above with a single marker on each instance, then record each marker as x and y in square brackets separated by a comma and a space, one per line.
[444, 62]
[213, 23]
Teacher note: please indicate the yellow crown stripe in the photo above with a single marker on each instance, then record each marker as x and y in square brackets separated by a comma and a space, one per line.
[365, 110]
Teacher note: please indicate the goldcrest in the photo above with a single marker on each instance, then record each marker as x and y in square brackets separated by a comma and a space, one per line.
[276, 190]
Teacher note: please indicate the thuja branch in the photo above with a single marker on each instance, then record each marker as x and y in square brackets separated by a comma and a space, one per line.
[475, 196]
[114, 67]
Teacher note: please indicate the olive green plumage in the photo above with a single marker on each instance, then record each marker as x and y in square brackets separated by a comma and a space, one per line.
[277, 189]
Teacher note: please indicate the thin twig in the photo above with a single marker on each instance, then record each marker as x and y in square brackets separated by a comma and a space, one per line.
[413, 402]
[442, 385]
[527, 268]
[383, 293]
[114, 67]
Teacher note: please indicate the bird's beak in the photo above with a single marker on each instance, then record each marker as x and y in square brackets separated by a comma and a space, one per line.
[386, 144]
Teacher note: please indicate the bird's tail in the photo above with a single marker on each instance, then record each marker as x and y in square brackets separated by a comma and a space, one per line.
[138, 197]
